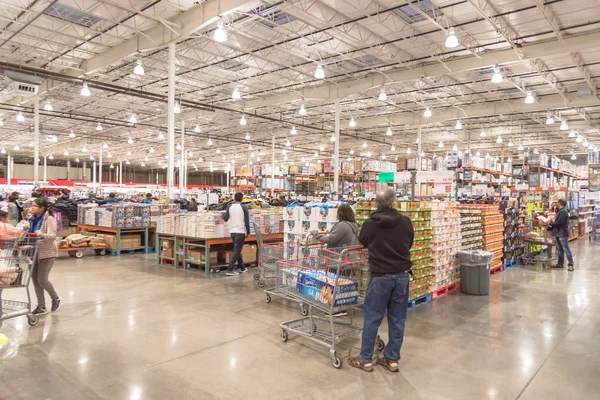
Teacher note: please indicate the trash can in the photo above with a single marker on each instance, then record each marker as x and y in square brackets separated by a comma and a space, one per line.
[474, 271]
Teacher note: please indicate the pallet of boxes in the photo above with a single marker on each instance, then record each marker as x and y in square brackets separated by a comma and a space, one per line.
[493, 235]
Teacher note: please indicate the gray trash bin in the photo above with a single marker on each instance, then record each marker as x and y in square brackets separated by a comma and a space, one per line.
[474, 271]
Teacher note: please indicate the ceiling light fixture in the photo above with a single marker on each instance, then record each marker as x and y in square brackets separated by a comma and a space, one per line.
[408, 150]
[130, 141]
[332, 138]
[302, 110]
[573, 157]
[220, 34]
[177, 108]
[77, 159]
[510, 143]
[127, 162]
[247, 137]
[579, 139]
[520, 148]
[99, 127]
[51, 157]
[458, 125]
[497, 77]
[441, 144]
[389, 131]
[382, 95]
[585, 143]
[218, 150]
[160, 136]
[321, 148]
[451, 39]
[20, 117]
[316, 154]
[236, 94]
[393, 148]
[293, 130]
[550, 120]
[478, 154]
[1, 122]
[364, 145]
[105, 146]
[250, 147]
[139, 68]
[197, 129]
[151, 150]
[320, 72]
[3, 151]
[499, 139]
[530, 99]
[572, 134]
[564, 126]
[71, 134]
[85, 90]
[84, 149]
[427, 112]
[92, 157]
[16, 148]
[243, 121]
[48, 106]
[142, 164]
[483, 133]
[368, 154]
[454, 147]
[351, 151]
[133, 119]
[178, 147]
[288, 144]
[352, 123]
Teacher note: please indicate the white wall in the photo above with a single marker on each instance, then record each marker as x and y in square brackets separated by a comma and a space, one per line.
[25, 171]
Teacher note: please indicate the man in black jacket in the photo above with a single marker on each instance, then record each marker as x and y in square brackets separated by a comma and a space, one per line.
[388, 235]
[560, 230]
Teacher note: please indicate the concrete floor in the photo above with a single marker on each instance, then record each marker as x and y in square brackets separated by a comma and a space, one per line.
[129, 329]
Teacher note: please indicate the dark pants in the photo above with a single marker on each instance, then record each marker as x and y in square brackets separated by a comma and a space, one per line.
[238, 240]
[39, 275]
[386, 292]
[562, 246]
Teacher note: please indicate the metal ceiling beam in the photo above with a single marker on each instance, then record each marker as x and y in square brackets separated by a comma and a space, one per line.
[479, 110]
[184, 24]
[347, 88]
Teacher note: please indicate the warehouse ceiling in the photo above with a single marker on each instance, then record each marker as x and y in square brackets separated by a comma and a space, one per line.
[549, 50]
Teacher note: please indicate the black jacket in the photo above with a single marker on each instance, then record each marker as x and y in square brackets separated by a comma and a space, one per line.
[388, 235]
[560, 226]
[193, 207]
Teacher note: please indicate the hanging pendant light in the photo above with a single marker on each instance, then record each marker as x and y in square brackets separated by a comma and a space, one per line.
[293, 131]
[197, 129]
[549, 120]
[20, 117]
[177, 108]
[408, 150]
[178, 147]
[499, 139]
[139, 68]
[302, 110]
[382, 95]
[530, 99]
[510, 143]
[573, 157]
[220, 34]
[364, 145]
[109, 155]
[564, 126]
[351, 151]
[393, 148]
[352, 123]
[99, 127]
[478, 154]
[105, 146]
[320, 72]
[84, 149]
[483, 133]
[160, 136]
[48, 106]
[497, 77]
[458, 125]
[133, 119]
[451, 39]
[520, 148]
[389, 131]
[236, 94]
[454, 147]
[441, 144]
[427, 112]
[71, 134]
[572, 134]
[243, 121]
[85, 90]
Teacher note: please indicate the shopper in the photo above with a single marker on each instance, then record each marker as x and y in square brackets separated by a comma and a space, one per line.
[388, 235]
[14, 214]
[560, 231]
[193, 206]
[148, 199]
[43, 225]
[344, 232]
[239, 226]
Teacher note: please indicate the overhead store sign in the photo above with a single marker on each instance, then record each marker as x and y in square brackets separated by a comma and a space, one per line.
[385, 177]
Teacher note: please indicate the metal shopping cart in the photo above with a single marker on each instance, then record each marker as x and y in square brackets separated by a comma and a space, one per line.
[16, 261]
[324, 283]
[538, 248]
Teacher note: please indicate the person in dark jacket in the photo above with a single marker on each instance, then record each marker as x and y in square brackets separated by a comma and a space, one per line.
[388, 235]
[560, 231]
[193, 206]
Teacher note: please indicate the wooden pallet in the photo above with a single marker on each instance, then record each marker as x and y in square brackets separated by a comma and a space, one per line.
[494, 270]
[419, 300]
[436, 294]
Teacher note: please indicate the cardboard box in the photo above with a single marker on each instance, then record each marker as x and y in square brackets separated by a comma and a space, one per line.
[319, 286]
[167, 253]
[249, 253]
[110, 240]
[129, 241]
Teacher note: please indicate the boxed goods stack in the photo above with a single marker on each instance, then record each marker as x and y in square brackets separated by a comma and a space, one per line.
[513, 240]
[115, 216]
[471, 228]
[301, 220]
[420, 253]
[363, 210]
[446, 237]
[493, 234]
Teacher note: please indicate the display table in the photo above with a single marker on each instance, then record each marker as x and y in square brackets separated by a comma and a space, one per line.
[183, 244]
[118, 232]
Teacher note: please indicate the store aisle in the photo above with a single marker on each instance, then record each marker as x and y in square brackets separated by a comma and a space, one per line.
[129, 329]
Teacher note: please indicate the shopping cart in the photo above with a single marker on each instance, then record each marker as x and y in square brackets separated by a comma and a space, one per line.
[16, 261]
[538, 249]
[324, 283]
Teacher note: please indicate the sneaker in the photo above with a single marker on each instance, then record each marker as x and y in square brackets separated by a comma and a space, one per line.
[55, 304]
[232, 273]
[571, 268]
[39, 311]
[244, 270]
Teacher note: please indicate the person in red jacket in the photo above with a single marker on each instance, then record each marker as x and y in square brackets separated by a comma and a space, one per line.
[388, 235]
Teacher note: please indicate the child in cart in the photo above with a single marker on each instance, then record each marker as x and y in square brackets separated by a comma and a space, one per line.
[7, 233]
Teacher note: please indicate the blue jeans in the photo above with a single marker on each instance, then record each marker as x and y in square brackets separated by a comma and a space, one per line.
[386, 292]
[238, 240]
[562, 246]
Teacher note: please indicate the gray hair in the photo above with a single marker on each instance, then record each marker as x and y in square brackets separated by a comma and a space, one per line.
[385, 199]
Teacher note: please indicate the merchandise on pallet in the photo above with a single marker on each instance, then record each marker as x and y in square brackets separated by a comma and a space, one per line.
[421, 251]
[446, 239]
[513, 239]
[471, 228]
[126, 215]
[493, 234]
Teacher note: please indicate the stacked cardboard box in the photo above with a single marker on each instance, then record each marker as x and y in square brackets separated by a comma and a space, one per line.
[471, 228]
[446, 238]
[493, 234]
[513, 240]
